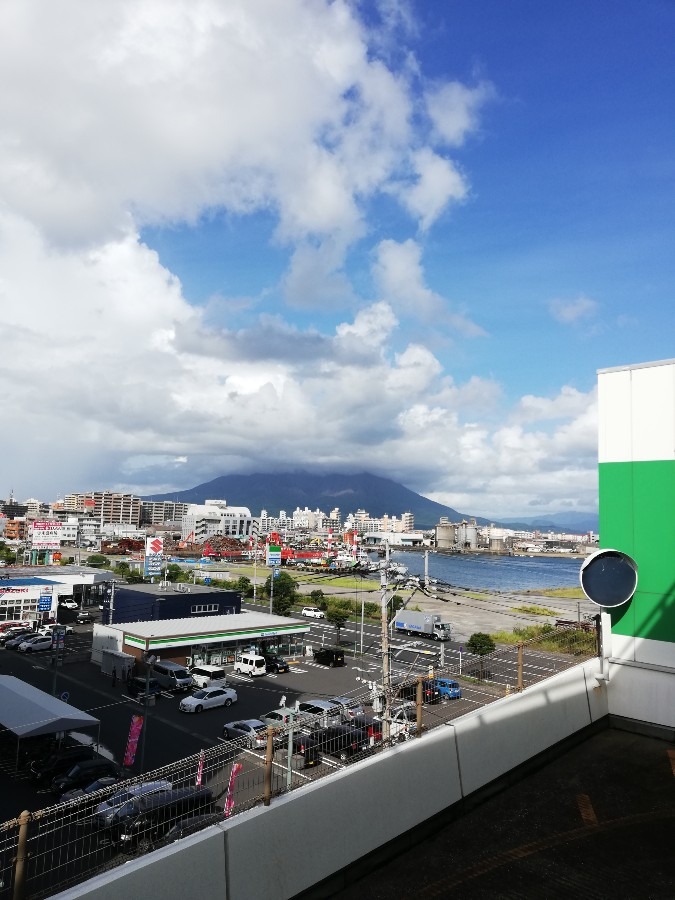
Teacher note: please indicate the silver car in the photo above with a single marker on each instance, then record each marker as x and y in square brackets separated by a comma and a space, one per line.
[252, 730]
[105, 812]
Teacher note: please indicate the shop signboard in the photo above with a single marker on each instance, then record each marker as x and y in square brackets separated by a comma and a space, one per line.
[46, 535]
[273, 555]
[154, 554]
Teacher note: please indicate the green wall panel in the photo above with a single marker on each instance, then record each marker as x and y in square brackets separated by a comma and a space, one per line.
[637, 516]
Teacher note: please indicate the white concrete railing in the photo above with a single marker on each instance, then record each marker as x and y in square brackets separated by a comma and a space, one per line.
[303, 837]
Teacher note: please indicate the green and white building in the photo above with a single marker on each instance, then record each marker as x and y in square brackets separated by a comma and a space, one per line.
[636, 455]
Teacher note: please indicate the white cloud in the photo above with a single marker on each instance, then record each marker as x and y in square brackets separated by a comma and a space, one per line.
[132, 112]
[453, 108]
[569, 312]
[397, 269]
[438, 183]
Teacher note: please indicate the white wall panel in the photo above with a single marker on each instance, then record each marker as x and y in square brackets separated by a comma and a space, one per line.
[653, 412]
[614, 411]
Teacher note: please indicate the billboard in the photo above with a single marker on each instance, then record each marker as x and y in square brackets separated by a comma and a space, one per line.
[46, 535]
[154, 554]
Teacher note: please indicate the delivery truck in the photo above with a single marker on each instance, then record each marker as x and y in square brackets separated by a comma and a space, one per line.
[422, 623]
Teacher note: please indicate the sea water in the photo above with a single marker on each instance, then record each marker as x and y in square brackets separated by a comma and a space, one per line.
[494, 572]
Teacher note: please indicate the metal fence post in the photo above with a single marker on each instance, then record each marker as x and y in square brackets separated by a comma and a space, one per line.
[20, 861]
[598, 635]
[267, 785]
[520, 666]
[418, 706]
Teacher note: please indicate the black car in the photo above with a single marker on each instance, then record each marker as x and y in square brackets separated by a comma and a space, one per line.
[329, 656]
[275, 663]
[82, 773]
[59, 761]
[430, 691]
[12, 633]
[343, 741]
[147, 818]
[137, 686]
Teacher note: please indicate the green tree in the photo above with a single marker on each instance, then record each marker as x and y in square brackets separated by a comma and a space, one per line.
[122, 568]
[318, 599]
[284, 595]
[174, 572]
[396, 603]
[244, 586]
[480, 643]
[337, 613]
[98, 560]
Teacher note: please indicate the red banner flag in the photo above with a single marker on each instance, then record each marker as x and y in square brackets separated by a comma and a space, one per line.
[132, 741]
[229, 800]
[200, 769]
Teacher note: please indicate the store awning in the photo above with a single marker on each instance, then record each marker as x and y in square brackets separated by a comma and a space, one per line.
[27, 711]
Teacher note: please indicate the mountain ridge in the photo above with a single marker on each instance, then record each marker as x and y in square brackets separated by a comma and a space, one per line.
[377, 495]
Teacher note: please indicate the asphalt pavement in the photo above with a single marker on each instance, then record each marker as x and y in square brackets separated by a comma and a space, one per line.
[596, 822]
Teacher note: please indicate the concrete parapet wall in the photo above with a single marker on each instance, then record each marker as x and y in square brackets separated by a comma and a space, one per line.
[643, 692]
[316, 831]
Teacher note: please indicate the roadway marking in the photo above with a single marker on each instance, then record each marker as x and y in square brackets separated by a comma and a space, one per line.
[585, 807]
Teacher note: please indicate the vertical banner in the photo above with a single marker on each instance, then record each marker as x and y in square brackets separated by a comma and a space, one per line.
[132, 741]
[229, 800]
[200, 769]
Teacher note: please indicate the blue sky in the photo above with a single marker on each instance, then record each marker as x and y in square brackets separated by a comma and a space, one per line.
[390, 236]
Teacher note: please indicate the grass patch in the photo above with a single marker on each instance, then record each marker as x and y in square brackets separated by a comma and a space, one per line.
[567, 593]
[548, 638]
[535, 610]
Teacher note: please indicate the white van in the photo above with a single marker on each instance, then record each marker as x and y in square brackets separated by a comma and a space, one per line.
[205, 676]
[250, 664]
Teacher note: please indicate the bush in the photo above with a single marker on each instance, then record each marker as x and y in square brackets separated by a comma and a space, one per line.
[480, 644]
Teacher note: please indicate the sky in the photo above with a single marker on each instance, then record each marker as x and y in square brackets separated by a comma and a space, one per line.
[243, 236]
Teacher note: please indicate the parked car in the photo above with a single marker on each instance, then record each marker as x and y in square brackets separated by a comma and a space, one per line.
[48, 629]
[146, 819]
[13, 643]
[106, 810]
[313, 612]
[348, 706]
[371, 725]
[284, 715]
[83, 773]
[305, 746]
[319, 713]
[140, 685]
[430, 691]
[13, 624]
[343, 741]
[275, 663]
[98, 785]
[69, 604]
[254, 731]
[12, 633]
[60, 760]
[33, 644]
[84, 617]
[329, 656]
[207, 698]
[402, 721]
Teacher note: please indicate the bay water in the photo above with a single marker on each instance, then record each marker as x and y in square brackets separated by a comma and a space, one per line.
[494, 572]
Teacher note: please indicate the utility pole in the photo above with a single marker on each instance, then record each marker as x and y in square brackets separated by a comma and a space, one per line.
[386, 674]
[426, 568]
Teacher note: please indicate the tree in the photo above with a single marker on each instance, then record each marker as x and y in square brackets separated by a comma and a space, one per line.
[122, 568]
[98, 560]
[480, 643]
[318, 599]
[338, 614]
[284, 594]
[244, 586]
[396, 603]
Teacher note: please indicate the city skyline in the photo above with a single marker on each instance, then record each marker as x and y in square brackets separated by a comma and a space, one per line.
[395, 237]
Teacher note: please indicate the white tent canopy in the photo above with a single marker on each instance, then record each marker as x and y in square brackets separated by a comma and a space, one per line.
[27, 711]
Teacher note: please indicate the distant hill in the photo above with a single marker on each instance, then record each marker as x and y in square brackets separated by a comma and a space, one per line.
[290, 490]
[572, 522]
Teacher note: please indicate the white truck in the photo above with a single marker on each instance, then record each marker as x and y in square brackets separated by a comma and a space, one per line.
[422, 623]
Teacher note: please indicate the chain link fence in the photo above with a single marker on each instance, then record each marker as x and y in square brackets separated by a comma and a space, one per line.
[48, 850]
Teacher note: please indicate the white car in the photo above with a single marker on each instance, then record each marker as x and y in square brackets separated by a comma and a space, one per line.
[39, 642]
[49, 628]
[208, 697]
[312, 612]
[69, 604]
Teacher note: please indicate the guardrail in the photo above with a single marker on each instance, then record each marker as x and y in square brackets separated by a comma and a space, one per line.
[67, 843]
